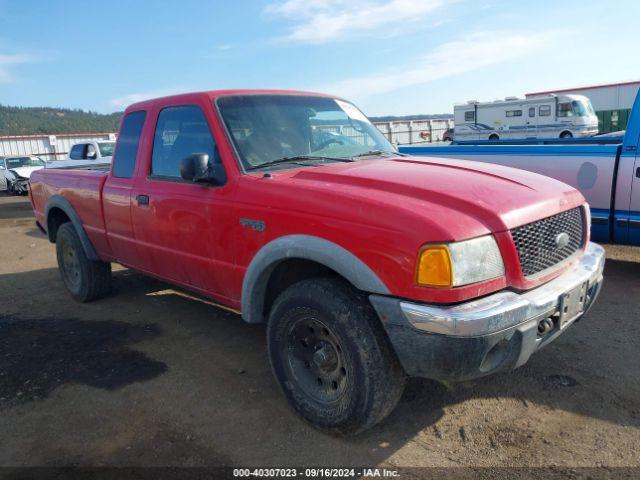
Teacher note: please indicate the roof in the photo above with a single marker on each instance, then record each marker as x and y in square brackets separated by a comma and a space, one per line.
[589, 87]
[221, 93]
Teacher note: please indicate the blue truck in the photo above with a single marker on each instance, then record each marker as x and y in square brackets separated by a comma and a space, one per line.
[605, 169]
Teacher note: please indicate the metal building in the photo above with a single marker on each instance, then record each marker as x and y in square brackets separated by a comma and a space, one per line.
[47, 147]
[612, 102]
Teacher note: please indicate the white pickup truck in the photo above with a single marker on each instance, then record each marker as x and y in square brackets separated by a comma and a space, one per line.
[85, 154]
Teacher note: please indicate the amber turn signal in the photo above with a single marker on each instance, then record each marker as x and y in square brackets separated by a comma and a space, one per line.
[434, 267]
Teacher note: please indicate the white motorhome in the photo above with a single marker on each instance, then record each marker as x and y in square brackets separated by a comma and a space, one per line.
[548, 116]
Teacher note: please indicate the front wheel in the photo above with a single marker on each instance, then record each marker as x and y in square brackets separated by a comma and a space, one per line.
[85, 279]
[331, 356]
[566, 135]
[10, 190]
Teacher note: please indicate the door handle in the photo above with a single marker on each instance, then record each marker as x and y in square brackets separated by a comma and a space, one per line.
[142, 199]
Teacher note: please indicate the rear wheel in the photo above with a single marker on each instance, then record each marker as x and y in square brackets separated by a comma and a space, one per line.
[85, 279]
[494, 136]
[331, 356]
[566, 135]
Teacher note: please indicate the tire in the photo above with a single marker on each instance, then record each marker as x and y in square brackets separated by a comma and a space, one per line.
[10, 188]
[85, 279]
[493, 136]
[331, 356]
[566, 135]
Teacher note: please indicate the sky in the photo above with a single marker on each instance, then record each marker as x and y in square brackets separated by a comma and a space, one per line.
[390, 57]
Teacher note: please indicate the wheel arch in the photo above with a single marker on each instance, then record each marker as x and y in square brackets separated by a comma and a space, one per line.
[303, 251]
[59, 211]
[563, 132]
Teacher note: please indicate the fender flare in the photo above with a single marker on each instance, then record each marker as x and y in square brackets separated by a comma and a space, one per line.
[324, 252]
[58, 201]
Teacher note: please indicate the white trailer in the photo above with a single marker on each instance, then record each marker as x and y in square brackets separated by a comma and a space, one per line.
[549, 116]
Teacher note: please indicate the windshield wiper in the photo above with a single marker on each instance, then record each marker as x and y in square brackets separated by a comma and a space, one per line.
[297, 159]
[372, 153]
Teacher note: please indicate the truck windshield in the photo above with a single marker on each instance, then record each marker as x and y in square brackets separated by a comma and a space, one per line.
[106, 148]
[268, 128]
[24, 162]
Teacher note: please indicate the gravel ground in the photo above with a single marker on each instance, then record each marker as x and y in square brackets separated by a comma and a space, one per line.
[150, 376]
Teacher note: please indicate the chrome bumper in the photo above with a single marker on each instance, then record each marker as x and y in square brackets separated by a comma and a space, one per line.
[491, 334]
[507, 309]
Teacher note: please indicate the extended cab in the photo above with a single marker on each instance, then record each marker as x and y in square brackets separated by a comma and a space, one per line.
[293, 209]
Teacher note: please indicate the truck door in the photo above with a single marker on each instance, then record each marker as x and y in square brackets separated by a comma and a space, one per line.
[116, 194]
[180, 226]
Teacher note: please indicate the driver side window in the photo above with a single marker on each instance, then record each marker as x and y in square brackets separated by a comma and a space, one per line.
[180, 131]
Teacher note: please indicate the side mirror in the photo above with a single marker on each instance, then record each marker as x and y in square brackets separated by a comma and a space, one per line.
[92, 156]
[197, 168]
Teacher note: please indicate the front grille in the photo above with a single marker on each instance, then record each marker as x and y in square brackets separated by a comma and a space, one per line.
[537, 242]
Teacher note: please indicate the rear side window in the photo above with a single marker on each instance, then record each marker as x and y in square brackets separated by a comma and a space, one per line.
[180, 132]
[77, 151]
[124, 160]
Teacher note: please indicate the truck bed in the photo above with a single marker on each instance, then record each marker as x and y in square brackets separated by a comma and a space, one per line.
[80, 187]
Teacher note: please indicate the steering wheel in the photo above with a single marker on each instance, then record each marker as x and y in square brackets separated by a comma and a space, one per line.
[328, 142]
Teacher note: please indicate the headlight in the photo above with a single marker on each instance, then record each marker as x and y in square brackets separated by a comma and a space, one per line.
[459, 263]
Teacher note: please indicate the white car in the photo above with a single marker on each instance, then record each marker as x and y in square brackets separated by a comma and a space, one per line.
[86, 154]
[16, 171]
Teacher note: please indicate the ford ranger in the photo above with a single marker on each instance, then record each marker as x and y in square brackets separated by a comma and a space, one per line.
[365, 264]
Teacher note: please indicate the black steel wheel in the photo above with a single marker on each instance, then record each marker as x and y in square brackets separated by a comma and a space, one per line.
[85, 279]
[70, 266]
[315, 359]
[332, 357]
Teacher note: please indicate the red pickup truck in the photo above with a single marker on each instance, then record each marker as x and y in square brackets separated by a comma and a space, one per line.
[367, 265]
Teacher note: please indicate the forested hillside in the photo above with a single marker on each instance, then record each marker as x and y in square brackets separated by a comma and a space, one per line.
[34, 120]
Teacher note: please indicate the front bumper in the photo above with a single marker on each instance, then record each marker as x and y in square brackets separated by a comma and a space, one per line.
[497, 332]
[20, 185]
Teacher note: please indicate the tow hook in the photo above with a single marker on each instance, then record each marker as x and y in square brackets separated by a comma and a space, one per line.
[545, 326]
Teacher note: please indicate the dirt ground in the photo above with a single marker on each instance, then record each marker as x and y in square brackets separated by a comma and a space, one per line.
[149, 376]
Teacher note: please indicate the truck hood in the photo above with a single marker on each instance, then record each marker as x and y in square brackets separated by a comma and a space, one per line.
[458, 198]
[24, 172]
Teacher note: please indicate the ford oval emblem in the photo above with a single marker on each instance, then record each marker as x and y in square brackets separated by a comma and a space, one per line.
[562, 240]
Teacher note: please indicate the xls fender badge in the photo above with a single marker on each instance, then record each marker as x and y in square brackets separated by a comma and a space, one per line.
[257, 225]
